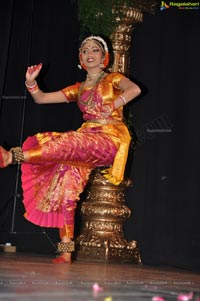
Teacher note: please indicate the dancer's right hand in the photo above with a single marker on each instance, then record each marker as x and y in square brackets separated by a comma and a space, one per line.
[32, 72]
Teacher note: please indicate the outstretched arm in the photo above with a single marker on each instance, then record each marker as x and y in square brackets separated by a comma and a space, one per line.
[38, 95]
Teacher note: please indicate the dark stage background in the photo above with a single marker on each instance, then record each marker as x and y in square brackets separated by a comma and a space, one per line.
[164, 167]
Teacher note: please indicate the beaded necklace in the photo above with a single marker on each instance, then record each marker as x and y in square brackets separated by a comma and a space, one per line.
[89, 101]
[90, 78]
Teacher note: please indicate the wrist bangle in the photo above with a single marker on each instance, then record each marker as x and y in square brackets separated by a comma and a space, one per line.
[33, 91]
[123, 99]
[32, 88]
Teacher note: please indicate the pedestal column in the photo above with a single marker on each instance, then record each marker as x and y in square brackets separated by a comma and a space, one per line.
[103, 215]
[125, 19]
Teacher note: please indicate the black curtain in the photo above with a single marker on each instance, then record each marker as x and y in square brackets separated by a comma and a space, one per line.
[164, 167]
[33, 32]
[165, 194]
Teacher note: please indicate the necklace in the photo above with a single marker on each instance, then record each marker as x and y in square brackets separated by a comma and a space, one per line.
[91, 77]
[89, 100]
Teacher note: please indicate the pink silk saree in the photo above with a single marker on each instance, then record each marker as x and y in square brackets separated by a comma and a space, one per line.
[60, 163]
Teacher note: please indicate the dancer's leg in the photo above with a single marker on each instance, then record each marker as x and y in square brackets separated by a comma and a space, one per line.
[66, 246]
[75, 148]
[13, 156]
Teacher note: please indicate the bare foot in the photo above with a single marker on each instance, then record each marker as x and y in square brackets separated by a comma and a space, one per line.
[63, 258]
[65, 255]
[5, 157]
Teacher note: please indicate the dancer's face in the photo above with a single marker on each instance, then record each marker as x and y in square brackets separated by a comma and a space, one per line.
[91, 54]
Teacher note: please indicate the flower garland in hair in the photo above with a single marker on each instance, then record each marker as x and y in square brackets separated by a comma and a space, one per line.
[98, 38]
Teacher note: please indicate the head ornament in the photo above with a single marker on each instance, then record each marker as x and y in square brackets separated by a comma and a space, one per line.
[96, 38]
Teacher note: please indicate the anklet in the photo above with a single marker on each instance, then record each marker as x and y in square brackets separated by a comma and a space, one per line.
[17, 155]
[67, 247]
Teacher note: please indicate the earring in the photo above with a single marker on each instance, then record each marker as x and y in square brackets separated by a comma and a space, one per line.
[79, 66]
[101, 66]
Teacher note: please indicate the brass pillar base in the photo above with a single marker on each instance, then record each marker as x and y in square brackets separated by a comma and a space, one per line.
[101, 249]
[103, 215]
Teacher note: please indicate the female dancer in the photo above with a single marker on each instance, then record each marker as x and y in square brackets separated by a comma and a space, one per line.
[56, 166]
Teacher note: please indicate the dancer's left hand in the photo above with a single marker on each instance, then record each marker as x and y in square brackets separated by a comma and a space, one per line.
[107, 110]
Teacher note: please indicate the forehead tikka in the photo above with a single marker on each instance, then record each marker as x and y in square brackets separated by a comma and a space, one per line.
[95, 38]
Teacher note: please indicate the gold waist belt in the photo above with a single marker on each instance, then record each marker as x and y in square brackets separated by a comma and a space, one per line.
[103, 121]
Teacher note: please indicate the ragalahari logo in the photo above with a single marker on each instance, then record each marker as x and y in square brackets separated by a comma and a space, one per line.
[179, 5]
[164, 5]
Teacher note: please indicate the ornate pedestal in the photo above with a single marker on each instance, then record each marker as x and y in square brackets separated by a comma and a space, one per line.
[104, 210]
[103, 214]
[125, 18]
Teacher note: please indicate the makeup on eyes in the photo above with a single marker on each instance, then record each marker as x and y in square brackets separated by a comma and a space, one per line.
[92, 49]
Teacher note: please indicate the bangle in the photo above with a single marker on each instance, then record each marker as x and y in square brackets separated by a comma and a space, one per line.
[32, 88]
[123, 99]
[33, 91]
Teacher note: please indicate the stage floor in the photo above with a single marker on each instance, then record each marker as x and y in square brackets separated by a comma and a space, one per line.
[32, 277]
